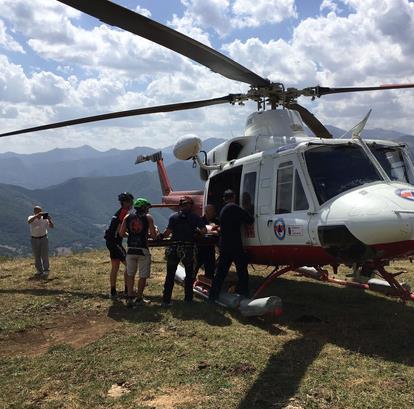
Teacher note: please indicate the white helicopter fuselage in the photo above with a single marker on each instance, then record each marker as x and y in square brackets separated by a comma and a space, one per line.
[315, 201]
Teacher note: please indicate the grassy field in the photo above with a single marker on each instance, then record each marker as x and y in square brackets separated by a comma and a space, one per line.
[64, 344]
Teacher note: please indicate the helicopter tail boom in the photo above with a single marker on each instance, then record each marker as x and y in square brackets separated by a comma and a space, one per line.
[170, 198]
[156, 157]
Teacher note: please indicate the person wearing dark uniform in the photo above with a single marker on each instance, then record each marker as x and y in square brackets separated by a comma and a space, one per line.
[113, 240]
[206, 254]
[231, 218]
[137, 226]
[184, 227]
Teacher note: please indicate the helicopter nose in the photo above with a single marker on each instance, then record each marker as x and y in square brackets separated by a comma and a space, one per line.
[376, 221]
[379, 217]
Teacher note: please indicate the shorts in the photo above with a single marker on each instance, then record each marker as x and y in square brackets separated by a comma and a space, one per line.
[139, 262]
[116, 251]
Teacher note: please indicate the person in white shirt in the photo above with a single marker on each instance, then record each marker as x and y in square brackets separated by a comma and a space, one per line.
[39, 222]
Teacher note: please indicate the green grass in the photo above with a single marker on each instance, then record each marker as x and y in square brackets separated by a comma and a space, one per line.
[64, 344]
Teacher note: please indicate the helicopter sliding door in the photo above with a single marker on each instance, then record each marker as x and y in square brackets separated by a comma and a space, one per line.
[228, 179]
[283, 220]
[248, 192]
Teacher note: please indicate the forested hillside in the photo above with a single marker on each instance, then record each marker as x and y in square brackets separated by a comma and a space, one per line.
[81, 207]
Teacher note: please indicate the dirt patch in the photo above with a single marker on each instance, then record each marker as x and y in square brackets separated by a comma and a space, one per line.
[75, 331]
[119, 389]
[242, 368]
[172, 398]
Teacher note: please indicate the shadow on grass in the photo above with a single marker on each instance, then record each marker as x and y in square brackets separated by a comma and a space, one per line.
[151, 313]
[183, 311]
[282, 375]
[362, 323]
[148, 313]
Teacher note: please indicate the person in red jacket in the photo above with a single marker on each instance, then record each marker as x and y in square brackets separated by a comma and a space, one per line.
[117, 252]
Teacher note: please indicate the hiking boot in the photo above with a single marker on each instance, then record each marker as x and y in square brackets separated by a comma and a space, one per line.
[130, 303]
[37, 274]
[45, 275]
[114, 294]
[142, 301]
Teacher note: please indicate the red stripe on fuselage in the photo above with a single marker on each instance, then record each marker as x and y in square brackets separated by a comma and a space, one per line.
[315, 255]
[289, 255]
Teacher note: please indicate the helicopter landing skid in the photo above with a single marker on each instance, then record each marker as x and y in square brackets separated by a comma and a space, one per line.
[248, 307]
[388, 286]
[396, 289]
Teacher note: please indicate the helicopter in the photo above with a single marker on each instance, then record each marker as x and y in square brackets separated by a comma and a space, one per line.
[317, 201]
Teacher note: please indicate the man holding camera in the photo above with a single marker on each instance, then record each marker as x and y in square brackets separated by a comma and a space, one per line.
[39, 222]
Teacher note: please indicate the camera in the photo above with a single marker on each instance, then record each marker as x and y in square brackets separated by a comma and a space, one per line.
[45, 215]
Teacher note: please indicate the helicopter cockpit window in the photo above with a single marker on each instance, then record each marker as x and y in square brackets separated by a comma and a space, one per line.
[284, 188]
[334, 169]
[392, 161]
[300, 201]
[249, 192]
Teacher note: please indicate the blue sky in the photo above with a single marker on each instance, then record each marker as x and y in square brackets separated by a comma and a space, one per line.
[57, 64]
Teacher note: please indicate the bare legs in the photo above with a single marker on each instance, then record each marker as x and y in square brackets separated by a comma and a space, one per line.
[142, 282]
[115, 263]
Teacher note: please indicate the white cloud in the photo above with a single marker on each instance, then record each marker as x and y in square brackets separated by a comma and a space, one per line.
[102, 69]
[329, 5]
[54, 35]
[14, 86]
[277, 60]
[187, 26]
[141, 10]
[367, 47]
[8, 112]
[48, 89]
[47, 20]
[259, 12]
[225, 16]
[201, 14]
[7, 41]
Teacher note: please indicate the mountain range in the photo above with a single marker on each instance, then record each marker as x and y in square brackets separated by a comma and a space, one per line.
[40, 170]
[82, 207]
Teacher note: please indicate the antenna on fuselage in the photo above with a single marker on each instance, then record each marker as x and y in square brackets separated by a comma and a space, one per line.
[357, 129]
[356, 134]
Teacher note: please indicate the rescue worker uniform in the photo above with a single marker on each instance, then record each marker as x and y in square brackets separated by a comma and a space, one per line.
[184, 227]
[231, 218]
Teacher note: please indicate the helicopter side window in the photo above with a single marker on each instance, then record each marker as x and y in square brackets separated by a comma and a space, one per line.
[300, 201]
[334, 169]
[392, 161]
[249, 192]
[284, 188]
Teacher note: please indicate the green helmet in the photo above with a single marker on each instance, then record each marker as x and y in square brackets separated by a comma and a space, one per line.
[141, 202]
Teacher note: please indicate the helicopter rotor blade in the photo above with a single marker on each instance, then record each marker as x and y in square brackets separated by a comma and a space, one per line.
[311, 121]
[320, 91]
[116, 15]
[231, 98]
